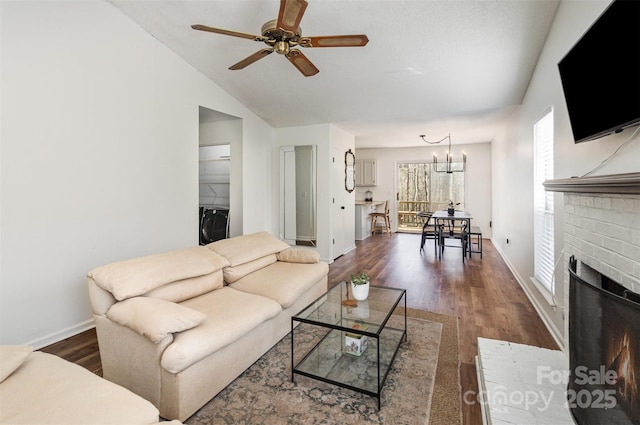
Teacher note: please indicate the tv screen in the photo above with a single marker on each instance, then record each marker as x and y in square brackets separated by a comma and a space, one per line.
[601, 74]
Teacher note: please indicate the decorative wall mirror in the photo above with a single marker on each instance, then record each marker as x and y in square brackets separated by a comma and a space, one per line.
[349, 171]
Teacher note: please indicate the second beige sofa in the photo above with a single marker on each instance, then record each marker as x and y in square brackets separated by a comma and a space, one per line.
[40, 388]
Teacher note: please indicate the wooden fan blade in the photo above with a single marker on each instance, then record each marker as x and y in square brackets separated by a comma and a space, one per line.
[228, 32]
[356, 40]
[290, 14]
[251, 59]
[301, 62]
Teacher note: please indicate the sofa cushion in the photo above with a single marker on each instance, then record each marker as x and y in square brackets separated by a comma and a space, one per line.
[281, 281]
[130, 278]
[230, 315]
[233, 273]
[11, 357]
[242, 249]
[154, 318]
[293, 255]
[188, 288]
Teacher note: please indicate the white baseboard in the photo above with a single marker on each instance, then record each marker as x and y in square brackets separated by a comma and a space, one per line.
[60, 335]
[350, 248]
[553, 330]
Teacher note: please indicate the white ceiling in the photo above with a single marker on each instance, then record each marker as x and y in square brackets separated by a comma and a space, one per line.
[431, 67]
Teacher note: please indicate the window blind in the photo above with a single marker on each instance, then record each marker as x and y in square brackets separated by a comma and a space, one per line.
[543, 201]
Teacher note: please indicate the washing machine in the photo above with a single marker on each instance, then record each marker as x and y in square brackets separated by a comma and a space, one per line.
[214, 224]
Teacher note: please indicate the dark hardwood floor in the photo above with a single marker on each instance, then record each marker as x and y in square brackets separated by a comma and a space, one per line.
[481, 292]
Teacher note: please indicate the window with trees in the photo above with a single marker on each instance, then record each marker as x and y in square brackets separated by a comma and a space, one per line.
[421, 188]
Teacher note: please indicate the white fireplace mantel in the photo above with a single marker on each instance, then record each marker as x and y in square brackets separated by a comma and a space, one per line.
[626, 183]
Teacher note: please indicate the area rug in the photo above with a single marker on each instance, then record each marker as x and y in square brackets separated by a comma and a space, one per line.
[422, 386]
[446, 400]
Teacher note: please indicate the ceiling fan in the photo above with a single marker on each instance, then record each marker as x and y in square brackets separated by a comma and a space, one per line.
[282, 35]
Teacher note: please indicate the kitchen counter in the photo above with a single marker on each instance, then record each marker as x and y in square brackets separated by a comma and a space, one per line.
[363, 221]
[370, 203]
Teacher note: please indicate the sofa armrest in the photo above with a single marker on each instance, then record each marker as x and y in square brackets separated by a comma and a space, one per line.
[101, 299]
[154, 318]
[293, 255]
[130, 359]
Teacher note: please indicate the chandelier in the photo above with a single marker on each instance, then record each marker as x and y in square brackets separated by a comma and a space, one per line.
[448, 166]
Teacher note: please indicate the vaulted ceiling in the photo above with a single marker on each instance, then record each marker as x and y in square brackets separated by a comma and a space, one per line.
[432, 67]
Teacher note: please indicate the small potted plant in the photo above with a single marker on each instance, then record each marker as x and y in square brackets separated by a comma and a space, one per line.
[360, 286]
[452, 207]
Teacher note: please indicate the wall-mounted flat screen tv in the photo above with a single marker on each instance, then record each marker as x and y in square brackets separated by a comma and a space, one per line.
[601, 74]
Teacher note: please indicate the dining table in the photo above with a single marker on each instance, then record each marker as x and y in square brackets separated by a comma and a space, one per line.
[443, 218]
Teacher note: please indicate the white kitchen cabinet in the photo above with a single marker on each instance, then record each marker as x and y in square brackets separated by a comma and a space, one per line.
[366, 172]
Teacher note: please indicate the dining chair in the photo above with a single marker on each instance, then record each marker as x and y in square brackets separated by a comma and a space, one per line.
[430, 230]
[381, 215]
[475, 246]
[455, 229]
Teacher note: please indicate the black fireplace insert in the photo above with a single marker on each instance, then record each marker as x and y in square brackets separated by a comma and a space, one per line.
[604, 344]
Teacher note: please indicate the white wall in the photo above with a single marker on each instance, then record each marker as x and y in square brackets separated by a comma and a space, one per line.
[477, 177]
[512, 155]
[99, 163]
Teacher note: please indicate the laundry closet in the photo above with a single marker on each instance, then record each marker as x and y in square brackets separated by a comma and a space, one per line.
[214, 172]
[216, 132]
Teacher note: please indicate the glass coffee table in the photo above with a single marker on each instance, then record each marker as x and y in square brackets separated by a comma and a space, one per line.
[349, 346]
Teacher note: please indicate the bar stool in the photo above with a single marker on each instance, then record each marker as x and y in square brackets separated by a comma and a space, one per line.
[381, 215]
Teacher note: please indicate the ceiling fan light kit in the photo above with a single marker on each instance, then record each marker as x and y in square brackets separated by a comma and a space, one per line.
[283, 34]
[282, 47]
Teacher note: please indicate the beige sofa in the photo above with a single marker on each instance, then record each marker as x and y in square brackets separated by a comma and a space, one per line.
[40, 388]
[178, 327]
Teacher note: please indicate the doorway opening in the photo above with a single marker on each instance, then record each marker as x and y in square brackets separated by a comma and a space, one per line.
[217, 131]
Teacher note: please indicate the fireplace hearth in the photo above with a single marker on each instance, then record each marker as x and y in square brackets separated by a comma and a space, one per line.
[604, 344]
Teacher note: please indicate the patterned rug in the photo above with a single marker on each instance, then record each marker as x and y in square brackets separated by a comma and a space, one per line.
[264, 393]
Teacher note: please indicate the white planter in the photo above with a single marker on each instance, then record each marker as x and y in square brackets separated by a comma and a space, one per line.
[360, 292]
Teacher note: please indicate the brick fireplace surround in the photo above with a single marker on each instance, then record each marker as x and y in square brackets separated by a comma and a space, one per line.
[602, 230]
[602, 227]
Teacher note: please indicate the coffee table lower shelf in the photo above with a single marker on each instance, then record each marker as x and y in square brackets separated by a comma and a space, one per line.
[328, 361]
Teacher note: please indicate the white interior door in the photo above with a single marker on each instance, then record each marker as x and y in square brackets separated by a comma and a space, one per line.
[288, 194]
[340, 205]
